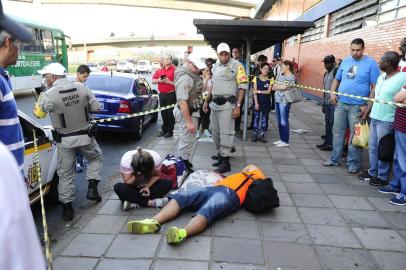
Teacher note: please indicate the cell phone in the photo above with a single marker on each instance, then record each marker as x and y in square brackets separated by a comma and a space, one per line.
[163, 77]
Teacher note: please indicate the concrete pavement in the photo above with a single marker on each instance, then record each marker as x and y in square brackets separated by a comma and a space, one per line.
[328, 219]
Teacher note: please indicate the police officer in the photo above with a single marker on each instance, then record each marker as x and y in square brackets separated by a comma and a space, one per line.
[229, 85]
[188, 87]
[68, 104]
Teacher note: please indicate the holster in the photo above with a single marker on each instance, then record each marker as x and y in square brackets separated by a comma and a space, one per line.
[91, 131]
[221, 100]
[56, 136]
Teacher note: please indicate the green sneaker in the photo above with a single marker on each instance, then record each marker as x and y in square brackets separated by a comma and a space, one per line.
[143, 226]
[175, 235]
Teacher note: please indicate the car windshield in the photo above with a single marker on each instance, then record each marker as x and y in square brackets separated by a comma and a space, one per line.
[109, 83]
[122, 63]
[142, 63]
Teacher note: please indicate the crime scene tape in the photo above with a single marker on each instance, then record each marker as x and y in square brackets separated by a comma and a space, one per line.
[342, 94]
[121, 117]
[48, 253]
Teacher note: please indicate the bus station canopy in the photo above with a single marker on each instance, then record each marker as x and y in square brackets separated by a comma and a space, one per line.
[261, 34]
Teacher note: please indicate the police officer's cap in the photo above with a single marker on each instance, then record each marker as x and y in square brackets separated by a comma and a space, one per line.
[196, 60]
[329, 59]
[223, 47]
[53, 68]
[12, 27]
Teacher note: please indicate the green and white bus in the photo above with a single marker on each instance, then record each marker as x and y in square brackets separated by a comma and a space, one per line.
[47, 46]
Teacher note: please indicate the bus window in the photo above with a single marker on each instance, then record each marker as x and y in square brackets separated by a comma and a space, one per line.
[47, 44]
[33, 46]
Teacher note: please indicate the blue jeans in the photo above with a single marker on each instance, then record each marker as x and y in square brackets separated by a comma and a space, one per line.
[346, 115]
[212, 202]
[378, 129]
[282, 115]
[329, 119]
[399, 163]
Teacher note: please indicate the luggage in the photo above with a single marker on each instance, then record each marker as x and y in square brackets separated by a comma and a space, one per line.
[173, 169]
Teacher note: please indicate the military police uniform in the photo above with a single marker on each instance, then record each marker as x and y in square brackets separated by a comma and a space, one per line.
[189, 88]
[68, 105]
[227, 80]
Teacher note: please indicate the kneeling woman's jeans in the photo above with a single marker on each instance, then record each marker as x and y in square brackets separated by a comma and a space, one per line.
[132, 194]
[282, 114]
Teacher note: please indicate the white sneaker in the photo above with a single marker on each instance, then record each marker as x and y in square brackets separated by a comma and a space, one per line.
[160, 202]
[127, 206]
[198, 133]
[277, 142]
[282, 144]
[206, 133]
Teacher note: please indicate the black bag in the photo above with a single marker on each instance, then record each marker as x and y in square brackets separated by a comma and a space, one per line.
[386, 147]
[261, 196]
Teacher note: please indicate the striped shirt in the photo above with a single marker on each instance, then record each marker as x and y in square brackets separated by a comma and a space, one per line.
[11, 133]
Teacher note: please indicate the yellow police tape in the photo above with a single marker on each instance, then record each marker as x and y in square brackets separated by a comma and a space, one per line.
[342, 94]
[48, 253]
[121, 117]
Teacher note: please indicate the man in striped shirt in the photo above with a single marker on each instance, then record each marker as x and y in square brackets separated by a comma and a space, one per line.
[11, 133]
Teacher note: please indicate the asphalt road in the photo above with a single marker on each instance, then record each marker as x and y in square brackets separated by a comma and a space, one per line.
[113, 145]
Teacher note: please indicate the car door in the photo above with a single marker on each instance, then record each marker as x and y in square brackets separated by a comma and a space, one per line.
[144, 92]
[46, 152]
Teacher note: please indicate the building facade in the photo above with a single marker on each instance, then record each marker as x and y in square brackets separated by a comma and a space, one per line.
[380, 23]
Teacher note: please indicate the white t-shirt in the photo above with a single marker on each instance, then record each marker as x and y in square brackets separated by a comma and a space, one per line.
[402, 67]
[125, 165]
[19, 244]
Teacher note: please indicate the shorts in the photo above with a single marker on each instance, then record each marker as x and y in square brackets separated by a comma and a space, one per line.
[213, 202]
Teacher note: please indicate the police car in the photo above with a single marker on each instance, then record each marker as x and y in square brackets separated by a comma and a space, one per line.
[47, 159]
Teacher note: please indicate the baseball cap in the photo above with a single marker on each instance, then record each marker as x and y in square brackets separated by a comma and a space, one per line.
[223, 47]
[53, 68]
[12, 27]
[329, 59]
[196, 60]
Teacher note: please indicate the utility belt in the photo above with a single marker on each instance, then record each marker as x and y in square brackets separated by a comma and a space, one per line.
[194, 105]
[221, 100]
[90, 131]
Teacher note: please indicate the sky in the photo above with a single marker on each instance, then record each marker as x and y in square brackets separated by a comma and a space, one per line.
[89, 22]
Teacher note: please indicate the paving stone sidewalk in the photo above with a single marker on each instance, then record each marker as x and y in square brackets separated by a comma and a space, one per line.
[328, 219]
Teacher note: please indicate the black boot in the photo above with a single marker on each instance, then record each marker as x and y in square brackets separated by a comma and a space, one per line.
[218, 162]
[216, 157]
[92, 193]
[189, 166]
[254, 138]
[67, 211]
[262, 138]
[224, 165]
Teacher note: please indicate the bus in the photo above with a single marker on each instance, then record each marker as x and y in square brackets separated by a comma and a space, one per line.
[48, 45]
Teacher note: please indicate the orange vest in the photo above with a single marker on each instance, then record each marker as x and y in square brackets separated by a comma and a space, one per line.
[235, 180]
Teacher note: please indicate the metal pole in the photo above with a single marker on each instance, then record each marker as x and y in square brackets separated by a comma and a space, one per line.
[247, 71]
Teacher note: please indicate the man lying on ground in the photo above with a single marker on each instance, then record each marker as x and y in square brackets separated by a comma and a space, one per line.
[210, 204]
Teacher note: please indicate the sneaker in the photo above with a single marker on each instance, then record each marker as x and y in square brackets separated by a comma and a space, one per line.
[143, 226]
[352, 171]
[365, 176]
[398, 200]
[277, 142]
[282, 144]
[378, 182]
[326, 148]
[78, 167]
[206, 133]
[388, 190]
[161, 202]
[329, 163]
[198, 133]
[175, 235]
[273, 110]
[127, 206]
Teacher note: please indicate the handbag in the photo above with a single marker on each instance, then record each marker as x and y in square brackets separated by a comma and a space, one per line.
[293, 95]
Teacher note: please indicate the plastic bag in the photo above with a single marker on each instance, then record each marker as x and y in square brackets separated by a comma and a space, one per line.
[361, 135]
